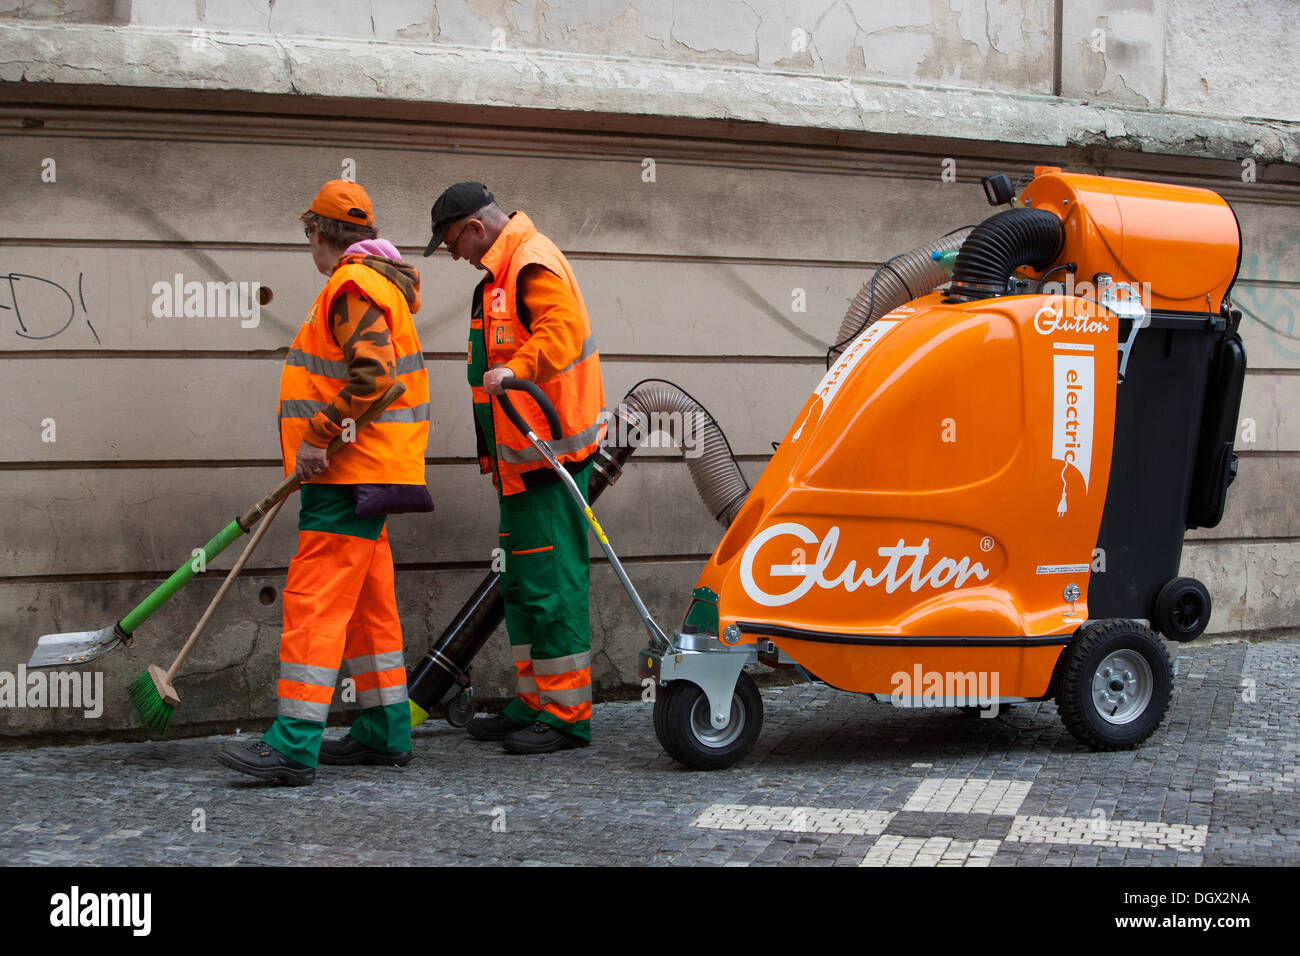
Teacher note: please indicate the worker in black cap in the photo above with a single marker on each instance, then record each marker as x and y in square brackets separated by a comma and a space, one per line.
[528, 320]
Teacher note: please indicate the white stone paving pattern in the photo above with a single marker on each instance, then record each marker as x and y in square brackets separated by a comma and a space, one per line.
[949, 795]
[1100, 832]
[892, 850]
[962, 796]
[737, 816]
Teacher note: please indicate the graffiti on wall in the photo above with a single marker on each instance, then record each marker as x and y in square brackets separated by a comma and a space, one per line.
[1270, 299]
[35, 307]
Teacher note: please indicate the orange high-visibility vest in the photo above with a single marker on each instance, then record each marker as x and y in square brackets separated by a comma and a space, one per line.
[576, 391]
[390, 450]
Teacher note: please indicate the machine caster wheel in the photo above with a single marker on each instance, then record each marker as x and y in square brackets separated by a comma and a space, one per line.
[685, 731]
[1182, 609]
[460, 709]
[1115, 684]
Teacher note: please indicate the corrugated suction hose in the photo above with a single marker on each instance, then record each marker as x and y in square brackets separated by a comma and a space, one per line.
[715, 471]
[899, 279]
[1001, 244]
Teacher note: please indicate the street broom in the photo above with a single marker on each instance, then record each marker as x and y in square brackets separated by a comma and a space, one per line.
[153, 698]
[80, 647]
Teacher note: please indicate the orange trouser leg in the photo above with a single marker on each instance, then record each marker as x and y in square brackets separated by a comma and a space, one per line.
[326, 578]
[373, 657]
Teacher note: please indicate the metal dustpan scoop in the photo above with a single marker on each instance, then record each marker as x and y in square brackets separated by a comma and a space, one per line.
[76, 647]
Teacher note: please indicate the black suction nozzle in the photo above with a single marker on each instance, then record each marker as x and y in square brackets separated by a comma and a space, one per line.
[1000, 245]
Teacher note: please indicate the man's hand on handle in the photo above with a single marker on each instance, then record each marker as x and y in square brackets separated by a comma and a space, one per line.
[493, 378]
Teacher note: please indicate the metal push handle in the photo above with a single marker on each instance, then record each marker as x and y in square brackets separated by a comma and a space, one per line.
[657, 637]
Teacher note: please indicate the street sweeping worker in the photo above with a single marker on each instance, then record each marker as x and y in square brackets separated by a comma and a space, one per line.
[339, 602]
[527, 320]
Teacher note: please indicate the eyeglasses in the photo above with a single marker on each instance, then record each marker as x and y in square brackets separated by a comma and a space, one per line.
[451, 243]
[308, 229]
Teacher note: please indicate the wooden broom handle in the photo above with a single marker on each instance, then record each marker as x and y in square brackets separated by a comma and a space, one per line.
[225, 586]
[291, 482]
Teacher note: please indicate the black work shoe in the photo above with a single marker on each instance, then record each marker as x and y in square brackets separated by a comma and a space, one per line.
[261, 760]
[541, 738]
[349, 750]
[496, 727]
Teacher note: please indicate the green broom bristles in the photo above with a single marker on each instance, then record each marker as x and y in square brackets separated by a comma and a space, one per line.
[151, 710]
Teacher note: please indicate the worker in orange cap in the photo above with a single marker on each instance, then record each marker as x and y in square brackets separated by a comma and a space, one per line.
[339, 603]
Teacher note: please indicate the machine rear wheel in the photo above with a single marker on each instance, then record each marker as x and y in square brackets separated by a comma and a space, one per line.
[682, 724]
[1182, 610]
[1115, 684]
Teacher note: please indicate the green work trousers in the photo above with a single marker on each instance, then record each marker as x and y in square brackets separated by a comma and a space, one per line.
[545, 584]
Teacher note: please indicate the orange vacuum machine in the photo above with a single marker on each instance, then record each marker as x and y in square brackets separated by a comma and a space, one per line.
[983, 503]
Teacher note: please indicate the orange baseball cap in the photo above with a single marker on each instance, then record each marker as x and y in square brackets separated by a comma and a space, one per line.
[345, 201]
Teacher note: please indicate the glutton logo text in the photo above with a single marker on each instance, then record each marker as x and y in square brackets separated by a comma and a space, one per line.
[1048, 320]
[939, 573]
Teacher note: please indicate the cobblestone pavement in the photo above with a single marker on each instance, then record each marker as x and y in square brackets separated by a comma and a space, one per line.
[835, 779]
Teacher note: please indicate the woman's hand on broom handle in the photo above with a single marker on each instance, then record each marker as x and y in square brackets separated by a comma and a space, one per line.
[312, 460]
[290, 483]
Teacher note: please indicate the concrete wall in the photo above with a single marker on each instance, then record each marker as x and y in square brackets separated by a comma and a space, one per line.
[165, 162]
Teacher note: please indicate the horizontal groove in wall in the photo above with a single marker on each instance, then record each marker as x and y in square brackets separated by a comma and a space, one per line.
[1205, 542]
[217, 574]
[94, 242]
[177, 463]
[866, 265]
[194, 354]
[279, 354]
[151, 464]
[622, 358]
[1285, 283]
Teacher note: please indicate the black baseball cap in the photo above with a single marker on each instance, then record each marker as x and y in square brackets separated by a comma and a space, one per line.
[456, 202]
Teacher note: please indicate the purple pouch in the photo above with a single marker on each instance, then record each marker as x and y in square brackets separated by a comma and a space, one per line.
[370, 501]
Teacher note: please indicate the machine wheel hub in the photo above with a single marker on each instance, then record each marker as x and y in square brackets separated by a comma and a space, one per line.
[702, 723]
[1122, 687]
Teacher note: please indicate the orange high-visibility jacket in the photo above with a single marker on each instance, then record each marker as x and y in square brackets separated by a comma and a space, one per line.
[576, 390]
[391, 449]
